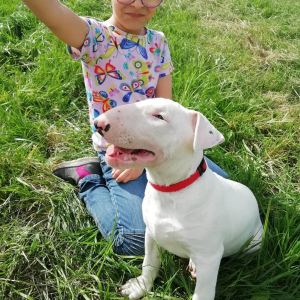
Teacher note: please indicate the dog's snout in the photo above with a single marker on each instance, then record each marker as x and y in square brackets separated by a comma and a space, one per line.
[101, 126]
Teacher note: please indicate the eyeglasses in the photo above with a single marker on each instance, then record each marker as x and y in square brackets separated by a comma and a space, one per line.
[147, 3]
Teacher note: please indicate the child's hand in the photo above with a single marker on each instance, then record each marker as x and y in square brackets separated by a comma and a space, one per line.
[126, 175]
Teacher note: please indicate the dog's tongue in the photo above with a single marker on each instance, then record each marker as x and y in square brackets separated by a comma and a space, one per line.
[114, 150]
[128, 154]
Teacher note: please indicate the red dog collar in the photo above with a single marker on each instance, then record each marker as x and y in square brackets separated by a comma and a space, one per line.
[182, 184]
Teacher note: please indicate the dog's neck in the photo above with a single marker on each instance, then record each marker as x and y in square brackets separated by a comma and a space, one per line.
[184, 183]
[176, 170]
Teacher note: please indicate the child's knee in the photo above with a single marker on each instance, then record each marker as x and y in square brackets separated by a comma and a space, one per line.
[130, 243]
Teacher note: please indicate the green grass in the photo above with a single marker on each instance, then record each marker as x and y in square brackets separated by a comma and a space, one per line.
[237, 61]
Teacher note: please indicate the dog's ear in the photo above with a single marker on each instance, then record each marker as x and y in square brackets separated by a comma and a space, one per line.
[205, 134]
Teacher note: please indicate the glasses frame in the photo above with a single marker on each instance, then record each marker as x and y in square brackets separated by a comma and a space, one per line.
[120, 1]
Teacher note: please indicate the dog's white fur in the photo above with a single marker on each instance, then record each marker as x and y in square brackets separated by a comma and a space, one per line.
[210, 219]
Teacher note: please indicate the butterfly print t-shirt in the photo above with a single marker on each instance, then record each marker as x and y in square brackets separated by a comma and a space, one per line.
[120, 68]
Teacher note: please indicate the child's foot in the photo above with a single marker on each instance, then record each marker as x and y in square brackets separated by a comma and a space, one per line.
[74, 170]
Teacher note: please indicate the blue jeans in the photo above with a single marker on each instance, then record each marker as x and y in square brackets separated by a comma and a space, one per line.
[117, 207]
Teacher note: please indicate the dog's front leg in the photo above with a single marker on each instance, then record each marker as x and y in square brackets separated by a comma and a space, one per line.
[136, 287]
[207, 266]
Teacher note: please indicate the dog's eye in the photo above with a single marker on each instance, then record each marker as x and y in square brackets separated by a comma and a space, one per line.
[159, 117]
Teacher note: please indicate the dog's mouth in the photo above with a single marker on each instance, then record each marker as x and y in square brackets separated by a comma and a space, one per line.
[140, 156]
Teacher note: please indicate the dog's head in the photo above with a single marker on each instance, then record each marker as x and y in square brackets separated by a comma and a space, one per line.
[150, 132]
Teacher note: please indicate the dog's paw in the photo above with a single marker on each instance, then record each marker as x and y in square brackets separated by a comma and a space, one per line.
[135, 288]
[192, 269]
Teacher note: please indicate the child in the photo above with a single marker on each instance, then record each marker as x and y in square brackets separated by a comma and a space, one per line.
[123, 62]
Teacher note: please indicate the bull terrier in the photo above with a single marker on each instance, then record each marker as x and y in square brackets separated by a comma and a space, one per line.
[188, 210]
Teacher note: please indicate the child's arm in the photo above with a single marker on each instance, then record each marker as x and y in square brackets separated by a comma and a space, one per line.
[65, 24]
[164, 87]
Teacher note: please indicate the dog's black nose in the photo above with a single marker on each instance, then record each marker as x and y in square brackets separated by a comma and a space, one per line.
[99, 127]
[107, 127]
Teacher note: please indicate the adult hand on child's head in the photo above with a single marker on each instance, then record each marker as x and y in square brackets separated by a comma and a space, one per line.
[126, 175]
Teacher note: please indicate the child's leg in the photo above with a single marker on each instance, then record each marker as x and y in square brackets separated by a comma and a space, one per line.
[215, 168]
[116, 204]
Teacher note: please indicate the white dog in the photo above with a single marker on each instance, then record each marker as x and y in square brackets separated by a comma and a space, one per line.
[188, 210]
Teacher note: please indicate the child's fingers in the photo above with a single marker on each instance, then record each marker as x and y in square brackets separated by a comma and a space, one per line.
[126, 175]
[115, 173]
[123, 176]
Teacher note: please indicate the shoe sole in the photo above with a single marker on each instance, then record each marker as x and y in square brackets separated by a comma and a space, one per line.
[76, 163]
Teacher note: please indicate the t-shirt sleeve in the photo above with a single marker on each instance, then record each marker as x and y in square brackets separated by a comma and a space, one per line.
[166, 65]
[94, 43]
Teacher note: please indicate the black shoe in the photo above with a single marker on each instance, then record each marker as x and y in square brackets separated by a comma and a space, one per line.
[74, 170]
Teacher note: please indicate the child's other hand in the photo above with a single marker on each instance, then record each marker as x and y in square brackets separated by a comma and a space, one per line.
[126, 175]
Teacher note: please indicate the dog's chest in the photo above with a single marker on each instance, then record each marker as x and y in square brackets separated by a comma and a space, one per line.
[163, 221]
